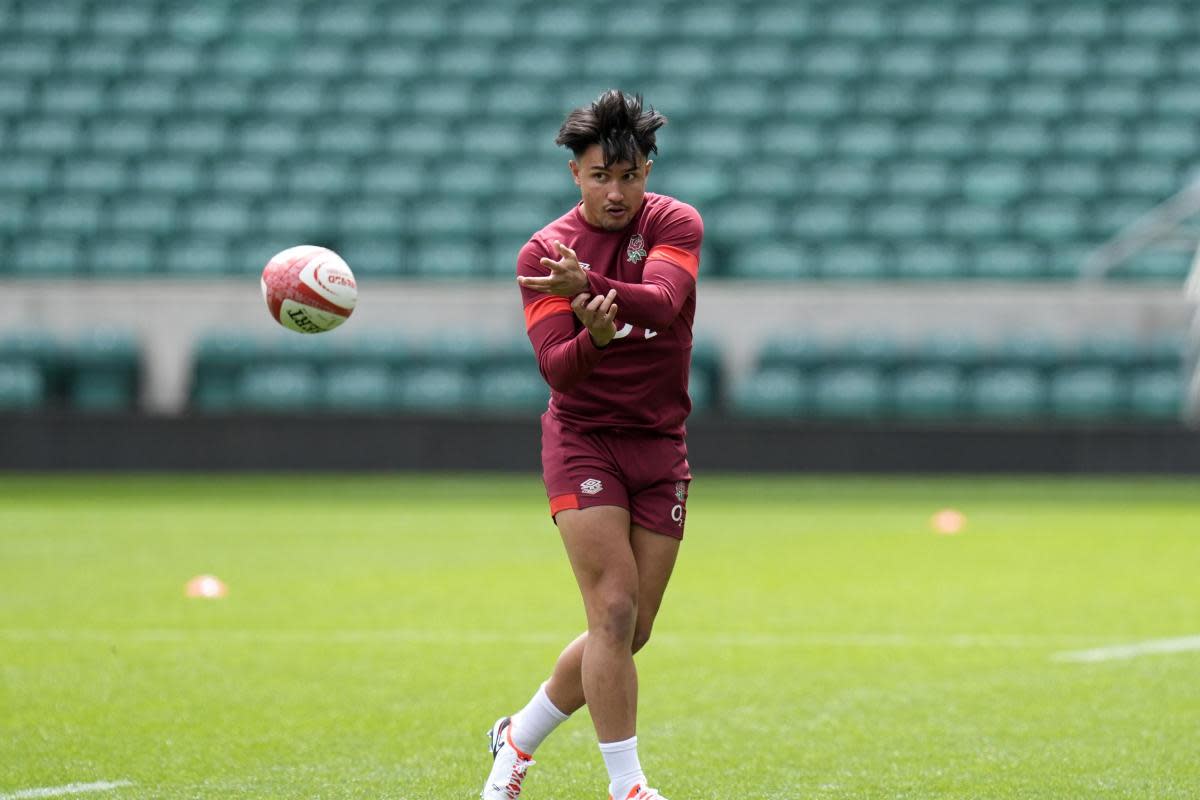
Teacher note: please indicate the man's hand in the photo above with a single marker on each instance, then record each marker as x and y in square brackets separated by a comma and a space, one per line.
[597, 315]
[566, 278]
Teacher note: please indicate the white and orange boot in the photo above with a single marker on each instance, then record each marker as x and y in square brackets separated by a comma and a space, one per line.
[641, 793]
[509, 764]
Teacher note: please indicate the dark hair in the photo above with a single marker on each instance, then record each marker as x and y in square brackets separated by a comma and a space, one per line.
[617, 122]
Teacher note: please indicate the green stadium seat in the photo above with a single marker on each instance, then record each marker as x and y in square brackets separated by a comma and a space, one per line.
[496, 139]
[833, 60]
[1007, 393]
[100, 174]
[142, 96]
[434, 389]
[489, 23]
[559, 23]
[777, 260]
[73, 96]
[457, 217]
[204, 256]
[717, 22]
[778, 181]
[244, 176]
[943, 140]
[71, 214]
[170, 176]
[791, 140]
[416, 21]
[14, 214]
[332, 175]
[418, 139]
[269, 19]
[1174, 99]
[395, 177]
[145, 214]
[1086, 392]
[745, 100]
[1096, 138]
[1131, 60]
[1018, 139]
[963, 100]
[761, 61]
[929, 392]
[971, 223]
[851, 180]
[55, 135]
[788, 21]
[358, 388]
[989, 60]
[196, 136]
[124, 20]
[349, 138]
[851, 260]
[1169, 139]
[719, 140]
[745, 220]
[275, 137]
[1155, 21]
[1080, 178]
[829, 220]
[911, 60]
[300, 219]
[1052, 220]
[1125, 99]
[104, 373]
[511, 389]
[818, 100]
[891, 98]
[280, 389]
[466, 61]
[899, 221]
[172, 58]
[328, 60]
[797, 351]
[931, 261]
[952, 348]
[1059, 61]
[520, 100]
[447, 260]
[1156, 265]
[868, 139]
[200, 22]
[125, 256]
[996, 182]
[1108, 217]
[372, 256]
[22, 386]
[771, 392]
[850, 392]
[1009, 261]
[859, 21]
[27, 175]
[920, 180]
[687, 59]
[371, 99]
[33, 57]
[700, 184]
[1156, 180]
[1077, 21]
[47, 256]
[224, 216]
[390, 62]
[1156, 394]
[299, 97]
[1039, 99]
[938, 21]
[52, 17]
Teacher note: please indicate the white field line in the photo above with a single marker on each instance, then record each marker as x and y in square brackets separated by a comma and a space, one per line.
[460, 637]
[1118, 652]
[71, 788]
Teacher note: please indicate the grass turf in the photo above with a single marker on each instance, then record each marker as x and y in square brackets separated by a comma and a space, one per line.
[818, 640]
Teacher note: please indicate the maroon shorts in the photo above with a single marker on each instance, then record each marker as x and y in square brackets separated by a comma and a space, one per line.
[646, 474]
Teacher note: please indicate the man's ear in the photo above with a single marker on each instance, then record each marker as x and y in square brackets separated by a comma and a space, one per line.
[574, 165]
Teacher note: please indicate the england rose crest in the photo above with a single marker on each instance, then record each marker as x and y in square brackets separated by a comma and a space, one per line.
[637, 249]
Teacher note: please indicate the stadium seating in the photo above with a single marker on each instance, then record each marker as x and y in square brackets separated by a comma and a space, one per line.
[95, 373]
[1020, 379]
[908, 140]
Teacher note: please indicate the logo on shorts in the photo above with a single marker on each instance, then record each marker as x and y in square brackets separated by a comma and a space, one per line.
[637, 249]
[591, 486]
[681, 490]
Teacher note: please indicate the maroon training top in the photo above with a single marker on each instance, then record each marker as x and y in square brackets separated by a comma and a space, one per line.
[639, 380]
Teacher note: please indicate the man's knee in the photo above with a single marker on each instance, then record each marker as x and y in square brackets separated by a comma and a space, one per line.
[615, 616]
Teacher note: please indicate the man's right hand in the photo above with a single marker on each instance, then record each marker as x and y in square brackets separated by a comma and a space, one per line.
[597, 315]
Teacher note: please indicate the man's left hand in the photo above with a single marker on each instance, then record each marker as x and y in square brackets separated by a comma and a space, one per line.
[566, 279]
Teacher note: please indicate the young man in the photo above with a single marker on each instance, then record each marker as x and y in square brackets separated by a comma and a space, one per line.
[609, 291]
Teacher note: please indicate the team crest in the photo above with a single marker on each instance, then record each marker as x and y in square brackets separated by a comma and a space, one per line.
[637, 249]
[681, 490]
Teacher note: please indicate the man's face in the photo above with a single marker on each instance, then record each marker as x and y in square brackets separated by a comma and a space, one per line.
[612, 194]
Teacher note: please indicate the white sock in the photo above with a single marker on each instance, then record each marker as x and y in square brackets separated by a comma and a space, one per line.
[537, 720]
[624, 769]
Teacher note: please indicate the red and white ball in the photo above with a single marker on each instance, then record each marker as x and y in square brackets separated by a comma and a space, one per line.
[309, 289]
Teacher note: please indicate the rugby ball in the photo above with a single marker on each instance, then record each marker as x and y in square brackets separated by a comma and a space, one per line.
[309, 289]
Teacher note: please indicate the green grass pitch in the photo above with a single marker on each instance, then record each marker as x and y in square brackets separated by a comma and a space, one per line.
[818, 640]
